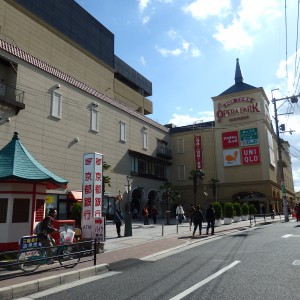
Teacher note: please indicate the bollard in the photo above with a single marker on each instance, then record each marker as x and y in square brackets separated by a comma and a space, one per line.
[177, 227]
[162, 229]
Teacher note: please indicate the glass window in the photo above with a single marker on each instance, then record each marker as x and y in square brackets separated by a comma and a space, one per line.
[123, 131]
[180, 145]
[145, 139]
[3, 210]
[21, 211]
[56, 105]
[181, 172]
[95, 120]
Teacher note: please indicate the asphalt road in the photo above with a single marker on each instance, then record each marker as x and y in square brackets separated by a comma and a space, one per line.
[260, 263]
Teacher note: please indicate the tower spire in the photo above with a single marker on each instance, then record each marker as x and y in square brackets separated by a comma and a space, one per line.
[238, 74]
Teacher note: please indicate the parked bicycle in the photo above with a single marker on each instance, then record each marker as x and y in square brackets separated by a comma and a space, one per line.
[33, 255]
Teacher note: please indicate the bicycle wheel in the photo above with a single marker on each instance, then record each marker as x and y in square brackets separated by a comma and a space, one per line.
[69, 256]
[29, 260]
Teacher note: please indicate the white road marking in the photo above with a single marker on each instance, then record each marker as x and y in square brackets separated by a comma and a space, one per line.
[290, 235]
[203, 282]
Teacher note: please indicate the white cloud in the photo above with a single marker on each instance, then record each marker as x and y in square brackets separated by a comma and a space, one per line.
[146, 19]
[234, 36]
[185, 47]
[247, 23]
[202, 9]
[187, 119]
[167, 52]
[143, 4]
[142, 61]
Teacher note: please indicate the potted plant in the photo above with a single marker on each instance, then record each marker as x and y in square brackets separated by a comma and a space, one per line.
[252, 210]
[218, 213]
[228, 213]
[245, 212]
[238, 212]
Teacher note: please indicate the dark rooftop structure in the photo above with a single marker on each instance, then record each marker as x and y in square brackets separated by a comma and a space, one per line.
[239, 85]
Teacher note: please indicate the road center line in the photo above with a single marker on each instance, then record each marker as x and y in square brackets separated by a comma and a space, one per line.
[203, 282]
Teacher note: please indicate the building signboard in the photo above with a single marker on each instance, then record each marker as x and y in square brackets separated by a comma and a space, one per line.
[250, 155]
[91, 193]
[249, 137]
[230, 139]
[198, 152]
[232, 157]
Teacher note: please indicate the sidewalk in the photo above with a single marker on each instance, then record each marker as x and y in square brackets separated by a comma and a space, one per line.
[145, 240]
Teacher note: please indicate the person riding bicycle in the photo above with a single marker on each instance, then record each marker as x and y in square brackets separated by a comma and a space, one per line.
[45, 230]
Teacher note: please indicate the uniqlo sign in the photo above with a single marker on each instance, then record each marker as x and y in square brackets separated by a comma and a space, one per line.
[250, 155]
[230, 139]
[198, 152]
[91, 192]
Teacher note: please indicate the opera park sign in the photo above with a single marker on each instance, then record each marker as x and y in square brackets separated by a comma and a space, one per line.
[245, 105]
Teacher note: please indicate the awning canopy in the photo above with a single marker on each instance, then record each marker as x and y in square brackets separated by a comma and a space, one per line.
[75, 195]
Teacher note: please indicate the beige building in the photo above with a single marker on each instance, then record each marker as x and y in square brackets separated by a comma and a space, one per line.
[238, 152]
[66, 93]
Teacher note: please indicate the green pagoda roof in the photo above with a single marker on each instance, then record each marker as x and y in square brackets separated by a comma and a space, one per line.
[16, 163]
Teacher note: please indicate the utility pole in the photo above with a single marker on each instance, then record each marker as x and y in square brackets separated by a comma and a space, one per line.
[294, 99]
[128, 220]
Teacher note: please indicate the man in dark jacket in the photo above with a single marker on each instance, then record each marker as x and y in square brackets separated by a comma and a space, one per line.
[197, 217]
[46, 229]
[210, 219]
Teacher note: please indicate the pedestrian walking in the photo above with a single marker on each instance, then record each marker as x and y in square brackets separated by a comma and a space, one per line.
[191, 212]
[210, 219]
[118, 220]
[179, 213]
[154, 214]
[197, 219]
[146, 215]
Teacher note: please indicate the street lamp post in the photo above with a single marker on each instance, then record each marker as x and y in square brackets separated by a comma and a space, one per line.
[128, 220]
[294, 99]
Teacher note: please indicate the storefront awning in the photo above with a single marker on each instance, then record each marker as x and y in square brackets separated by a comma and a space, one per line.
[75, 195]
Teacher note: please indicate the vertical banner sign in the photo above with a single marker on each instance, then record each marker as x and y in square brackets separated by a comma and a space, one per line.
[91, 192]
[198, 152]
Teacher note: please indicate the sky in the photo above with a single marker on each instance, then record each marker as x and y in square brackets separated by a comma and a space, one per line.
[188, 50]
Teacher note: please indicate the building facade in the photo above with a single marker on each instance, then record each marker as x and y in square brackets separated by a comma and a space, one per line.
[238, 152]
[64, 90]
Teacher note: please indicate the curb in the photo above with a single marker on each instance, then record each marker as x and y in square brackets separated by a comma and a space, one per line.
[34, 286]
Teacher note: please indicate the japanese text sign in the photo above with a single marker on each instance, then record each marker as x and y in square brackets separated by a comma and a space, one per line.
[198, 152]
[249, 137]
[230, 139]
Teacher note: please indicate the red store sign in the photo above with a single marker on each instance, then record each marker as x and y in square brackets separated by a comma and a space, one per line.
[250, 155]
[198, 152]
[230, 139]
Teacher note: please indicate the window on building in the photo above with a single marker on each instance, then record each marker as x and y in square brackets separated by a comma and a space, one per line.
[3, 210]
[56, 105]
[94, 120]
[21, 210]
[122, 131]
[180, 145]
[148, 168]
[145, 139]
[181, 172]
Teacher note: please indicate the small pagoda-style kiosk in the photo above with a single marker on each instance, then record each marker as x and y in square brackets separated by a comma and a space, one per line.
[23, 185]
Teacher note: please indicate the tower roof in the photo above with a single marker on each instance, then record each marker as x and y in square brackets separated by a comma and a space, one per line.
[239, 85]
[17, 163]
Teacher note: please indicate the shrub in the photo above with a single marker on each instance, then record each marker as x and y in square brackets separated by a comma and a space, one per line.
[245, 209]
[237, 209]
[252, 209]
[218, 210]
[228, 210]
